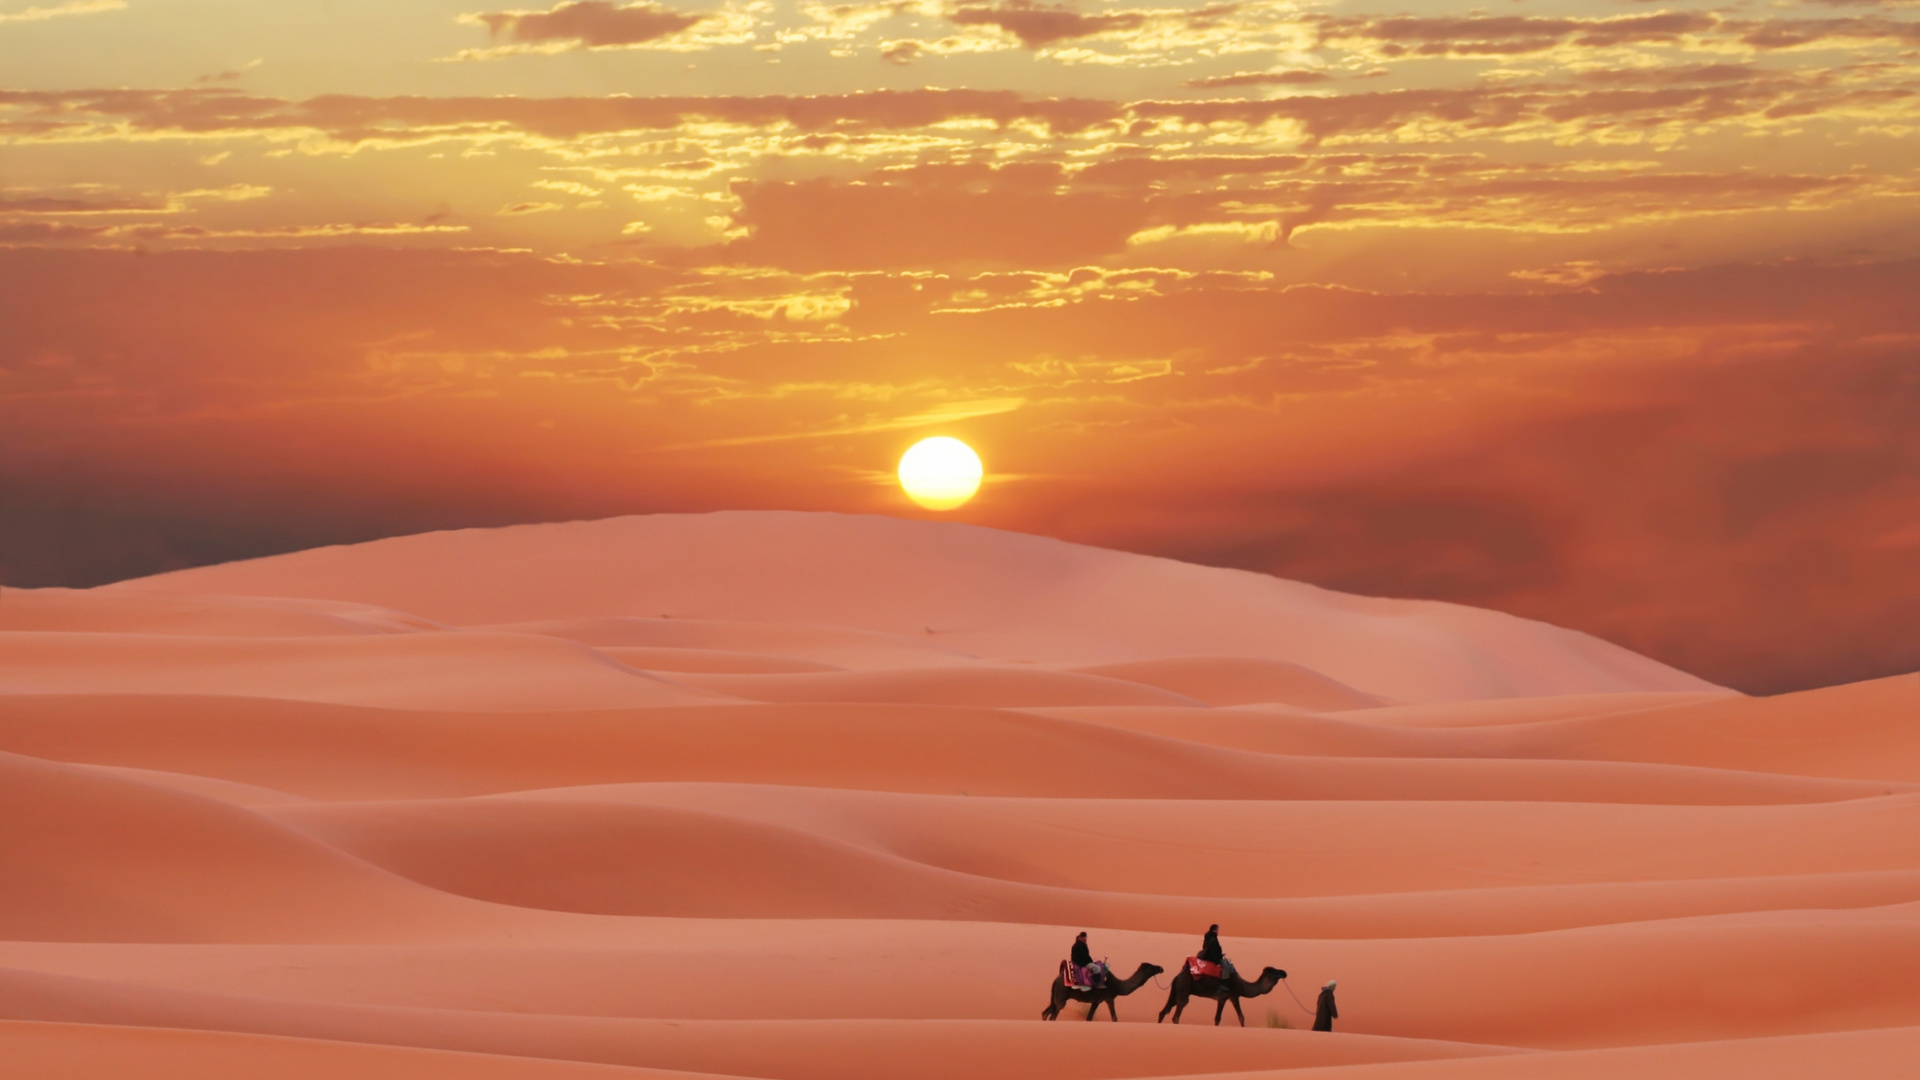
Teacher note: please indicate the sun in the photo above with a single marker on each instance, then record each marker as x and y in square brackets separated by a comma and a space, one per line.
[940, 473]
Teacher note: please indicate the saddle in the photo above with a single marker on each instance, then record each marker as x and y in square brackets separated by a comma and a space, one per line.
[1204, 969]
[1091, 977]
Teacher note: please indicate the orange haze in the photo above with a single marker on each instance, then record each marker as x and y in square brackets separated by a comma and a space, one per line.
[1593, 315]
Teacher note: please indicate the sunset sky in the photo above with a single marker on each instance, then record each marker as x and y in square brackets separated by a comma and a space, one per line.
[1601, 312]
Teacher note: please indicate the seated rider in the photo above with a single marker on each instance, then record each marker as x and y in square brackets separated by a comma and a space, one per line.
[1210, 950]
[1085, 973]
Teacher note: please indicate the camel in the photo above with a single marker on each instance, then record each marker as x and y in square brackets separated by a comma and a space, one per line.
[1232, 989]
[1104, 995]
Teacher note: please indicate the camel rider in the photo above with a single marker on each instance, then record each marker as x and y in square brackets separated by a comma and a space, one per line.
[1210, 950]
[1084, 973]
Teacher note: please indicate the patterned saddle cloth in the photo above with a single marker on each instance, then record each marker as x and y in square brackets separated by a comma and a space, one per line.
[1091, 977]
[1204, 969]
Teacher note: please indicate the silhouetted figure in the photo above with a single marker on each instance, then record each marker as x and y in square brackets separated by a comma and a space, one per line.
[1325, 1012]
[1082, 956]
[1210, 950]
[1210, 946]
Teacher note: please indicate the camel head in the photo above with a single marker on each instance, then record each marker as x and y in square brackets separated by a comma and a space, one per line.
[1270, 978]
[1141, 974]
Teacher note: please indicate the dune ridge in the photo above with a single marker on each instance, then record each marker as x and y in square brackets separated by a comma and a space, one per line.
[973, 590]
[812, 796]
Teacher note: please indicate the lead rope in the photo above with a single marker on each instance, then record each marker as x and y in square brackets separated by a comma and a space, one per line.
[1296, 999]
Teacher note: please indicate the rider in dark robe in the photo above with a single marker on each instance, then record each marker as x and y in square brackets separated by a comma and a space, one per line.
[1211, 953]
[1210, 946]
[1085, 974]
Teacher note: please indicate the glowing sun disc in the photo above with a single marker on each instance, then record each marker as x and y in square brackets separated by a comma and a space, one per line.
[940, 473]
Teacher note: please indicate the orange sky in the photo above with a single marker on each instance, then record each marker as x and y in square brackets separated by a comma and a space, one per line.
[1602, 312]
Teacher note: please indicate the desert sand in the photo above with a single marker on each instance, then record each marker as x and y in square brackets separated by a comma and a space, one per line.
[822, 797]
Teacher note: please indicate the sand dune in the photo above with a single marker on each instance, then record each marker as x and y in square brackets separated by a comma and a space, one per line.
[1722, 976]
[1499, 712]
[809, 796]
[1858, 1055]
[98, 612]
[490, 672]
[908, 748]
[836, 647]
[972, 590]
[712, 661]
[97, 857]
[1234, 680]
[537, 853]
[818, 1050]
[991, 687]
[1862, 731]
[90, 1051]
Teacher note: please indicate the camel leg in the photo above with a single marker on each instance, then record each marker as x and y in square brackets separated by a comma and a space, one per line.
[1167, 1009]
[1112, 1013]
[1219, 1010]
[1237, 1012]
[1093, 1009]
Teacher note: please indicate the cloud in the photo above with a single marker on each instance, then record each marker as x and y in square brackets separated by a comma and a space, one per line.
[1679, 75]
[821, 224]
[1296, 77]
[1536, 108]
[1773, 34]
[1142, 37]
[1039, 25]
[34, 232]
[79, 200]
[842, 22]
[39, 13]
[1684, 101]
[592, 24]
[1509, 35]
[1411, 36]
[231, 74]
[899, 180]
[94, 199]
[948, 413]
[87, 114]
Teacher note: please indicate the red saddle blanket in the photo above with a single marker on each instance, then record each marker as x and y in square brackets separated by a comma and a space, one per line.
[1207, 969]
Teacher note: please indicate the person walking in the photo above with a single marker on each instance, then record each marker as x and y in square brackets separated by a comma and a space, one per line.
[1325, 1012]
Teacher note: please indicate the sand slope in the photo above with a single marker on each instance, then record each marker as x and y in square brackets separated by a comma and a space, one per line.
[972, 590]
[819, 797]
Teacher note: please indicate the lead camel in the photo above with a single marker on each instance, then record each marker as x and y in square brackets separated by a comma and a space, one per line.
[1230, 989]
